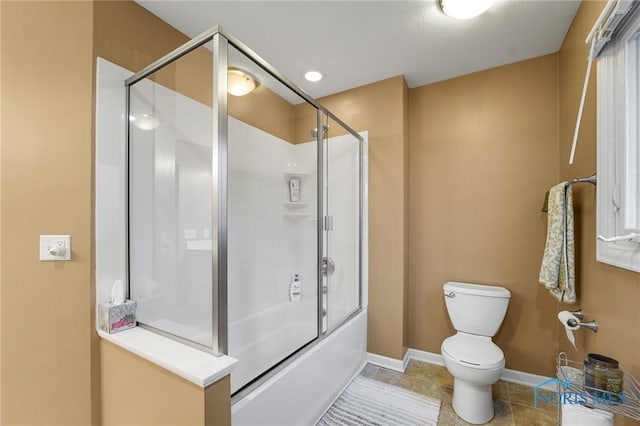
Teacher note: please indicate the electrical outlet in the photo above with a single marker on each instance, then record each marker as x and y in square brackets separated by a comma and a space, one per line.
[55, 247]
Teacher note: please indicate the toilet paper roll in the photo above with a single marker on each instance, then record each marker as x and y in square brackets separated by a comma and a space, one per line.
[564, 317]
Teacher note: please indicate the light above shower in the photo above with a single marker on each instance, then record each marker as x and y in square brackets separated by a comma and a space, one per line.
[144, 121]
[465, 9]
[313, 75]
[240, 83]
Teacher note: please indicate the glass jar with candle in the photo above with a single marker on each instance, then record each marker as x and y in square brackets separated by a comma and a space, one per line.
[603, 378]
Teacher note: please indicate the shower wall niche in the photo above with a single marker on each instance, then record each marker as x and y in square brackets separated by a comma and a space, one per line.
[218, 254]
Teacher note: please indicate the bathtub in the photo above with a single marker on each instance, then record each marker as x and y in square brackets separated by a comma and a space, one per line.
[263, 339]
[301, 392]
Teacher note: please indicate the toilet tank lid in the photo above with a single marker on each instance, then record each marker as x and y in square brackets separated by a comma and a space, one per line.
[476, 289]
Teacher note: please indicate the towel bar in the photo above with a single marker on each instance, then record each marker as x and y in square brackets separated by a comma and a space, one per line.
[593, 179]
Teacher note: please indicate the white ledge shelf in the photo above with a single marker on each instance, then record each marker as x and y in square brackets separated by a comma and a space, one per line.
[192, 364]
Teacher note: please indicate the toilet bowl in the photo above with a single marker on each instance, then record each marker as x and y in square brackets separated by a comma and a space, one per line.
[474, 361]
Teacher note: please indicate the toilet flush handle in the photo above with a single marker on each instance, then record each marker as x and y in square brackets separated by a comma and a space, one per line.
[450, 294]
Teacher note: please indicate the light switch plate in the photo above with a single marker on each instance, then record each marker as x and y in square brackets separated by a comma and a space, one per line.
[59, 242]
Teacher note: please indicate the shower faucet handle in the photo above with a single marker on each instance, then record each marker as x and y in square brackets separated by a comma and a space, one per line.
[578, 314]
[328, 266]
[591, 325]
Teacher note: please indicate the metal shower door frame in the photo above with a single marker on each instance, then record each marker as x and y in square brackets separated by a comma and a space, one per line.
[221, 41]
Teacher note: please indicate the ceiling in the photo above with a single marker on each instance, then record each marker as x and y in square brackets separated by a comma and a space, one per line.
[358, 42]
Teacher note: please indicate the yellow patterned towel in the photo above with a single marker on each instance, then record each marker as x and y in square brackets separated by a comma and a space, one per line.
[558, 263]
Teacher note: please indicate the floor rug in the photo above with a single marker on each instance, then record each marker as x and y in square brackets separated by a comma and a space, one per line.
[373, 403]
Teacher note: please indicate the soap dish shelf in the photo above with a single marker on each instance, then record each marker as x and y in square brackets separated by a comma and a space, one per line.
[295, 173]
[631, 389]
[295, 204]
[296, 215]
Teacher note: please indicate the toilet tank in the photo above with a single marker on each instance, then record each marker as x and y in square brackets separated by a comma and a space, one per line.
[476, 309]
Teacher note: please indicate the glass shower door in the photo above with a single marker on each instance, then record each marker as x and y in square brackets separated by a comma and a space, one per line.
[170, 198]
[341, 263]
[272, 227]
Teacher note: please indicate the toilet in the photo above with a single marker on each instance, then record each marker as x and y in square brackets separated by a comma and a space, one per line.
[475, 362]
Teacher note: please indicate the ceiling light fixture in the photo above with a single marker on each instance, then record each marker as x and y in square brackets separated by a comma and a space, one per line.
[465, 9]
[144, 121]
[240, 83]
[313, 75]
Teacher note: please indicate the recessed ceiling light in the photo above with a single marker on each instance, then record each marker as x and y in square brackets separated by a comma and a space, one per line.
[465, 9]
[313, 75]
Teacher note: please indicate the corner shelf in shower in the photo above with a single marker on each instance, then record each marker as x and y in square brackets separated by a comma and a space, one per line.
[199, 245]
[296, 215]
[295, 173]
[293, 209]
[295, 204]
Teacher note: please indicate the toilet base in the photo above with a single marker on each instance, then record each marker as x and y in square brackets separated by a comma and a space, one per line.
[473, 404]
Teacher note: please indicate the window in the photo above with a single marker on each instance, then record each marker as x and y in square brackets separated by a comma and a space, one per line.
[619, 147]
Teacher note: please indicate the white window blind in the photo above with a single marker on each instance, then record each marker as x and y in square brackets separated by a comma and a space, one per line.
[615, 46]
[612, 18]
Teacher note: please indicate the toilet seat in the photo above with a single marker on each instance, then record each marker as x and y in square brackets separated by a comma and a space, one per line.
[477, 352]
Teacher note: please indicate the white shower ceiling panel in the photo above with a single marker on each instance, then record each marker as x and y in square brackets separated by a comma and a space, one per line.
[358, 42]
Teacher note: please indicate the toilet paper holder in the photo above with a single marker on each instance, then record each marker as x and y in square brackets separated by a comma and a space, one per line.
[591, 325]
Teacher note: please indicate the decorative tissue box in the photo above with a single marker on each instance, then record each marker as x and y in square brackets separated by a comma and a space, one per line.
[113, 318]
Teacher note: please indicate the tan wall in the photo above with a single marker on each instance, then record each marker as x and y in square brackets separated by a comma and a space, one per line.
[51, 366]
[610, 295]
[378, 108]
[139, 393]
[483, 152]
[46, 189]
[265, 110]
[217, 403]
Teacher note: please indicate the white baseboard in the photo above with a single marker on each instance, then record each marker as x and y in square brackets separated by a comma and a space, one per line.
[386, 362]
[406, 359]
[508, 375]
[424, 356]
[527, 379]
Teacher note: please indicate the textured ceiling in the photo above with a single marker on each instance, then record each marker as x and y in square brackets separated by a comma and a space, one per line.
[358, 42]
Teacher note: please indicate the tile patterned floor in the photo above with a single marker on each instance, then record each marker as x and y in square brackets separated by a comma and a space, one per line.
[513, 403]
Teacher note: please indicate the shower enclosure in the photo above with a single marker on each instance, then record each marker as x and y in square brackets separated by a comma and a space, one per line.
[244, 210]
